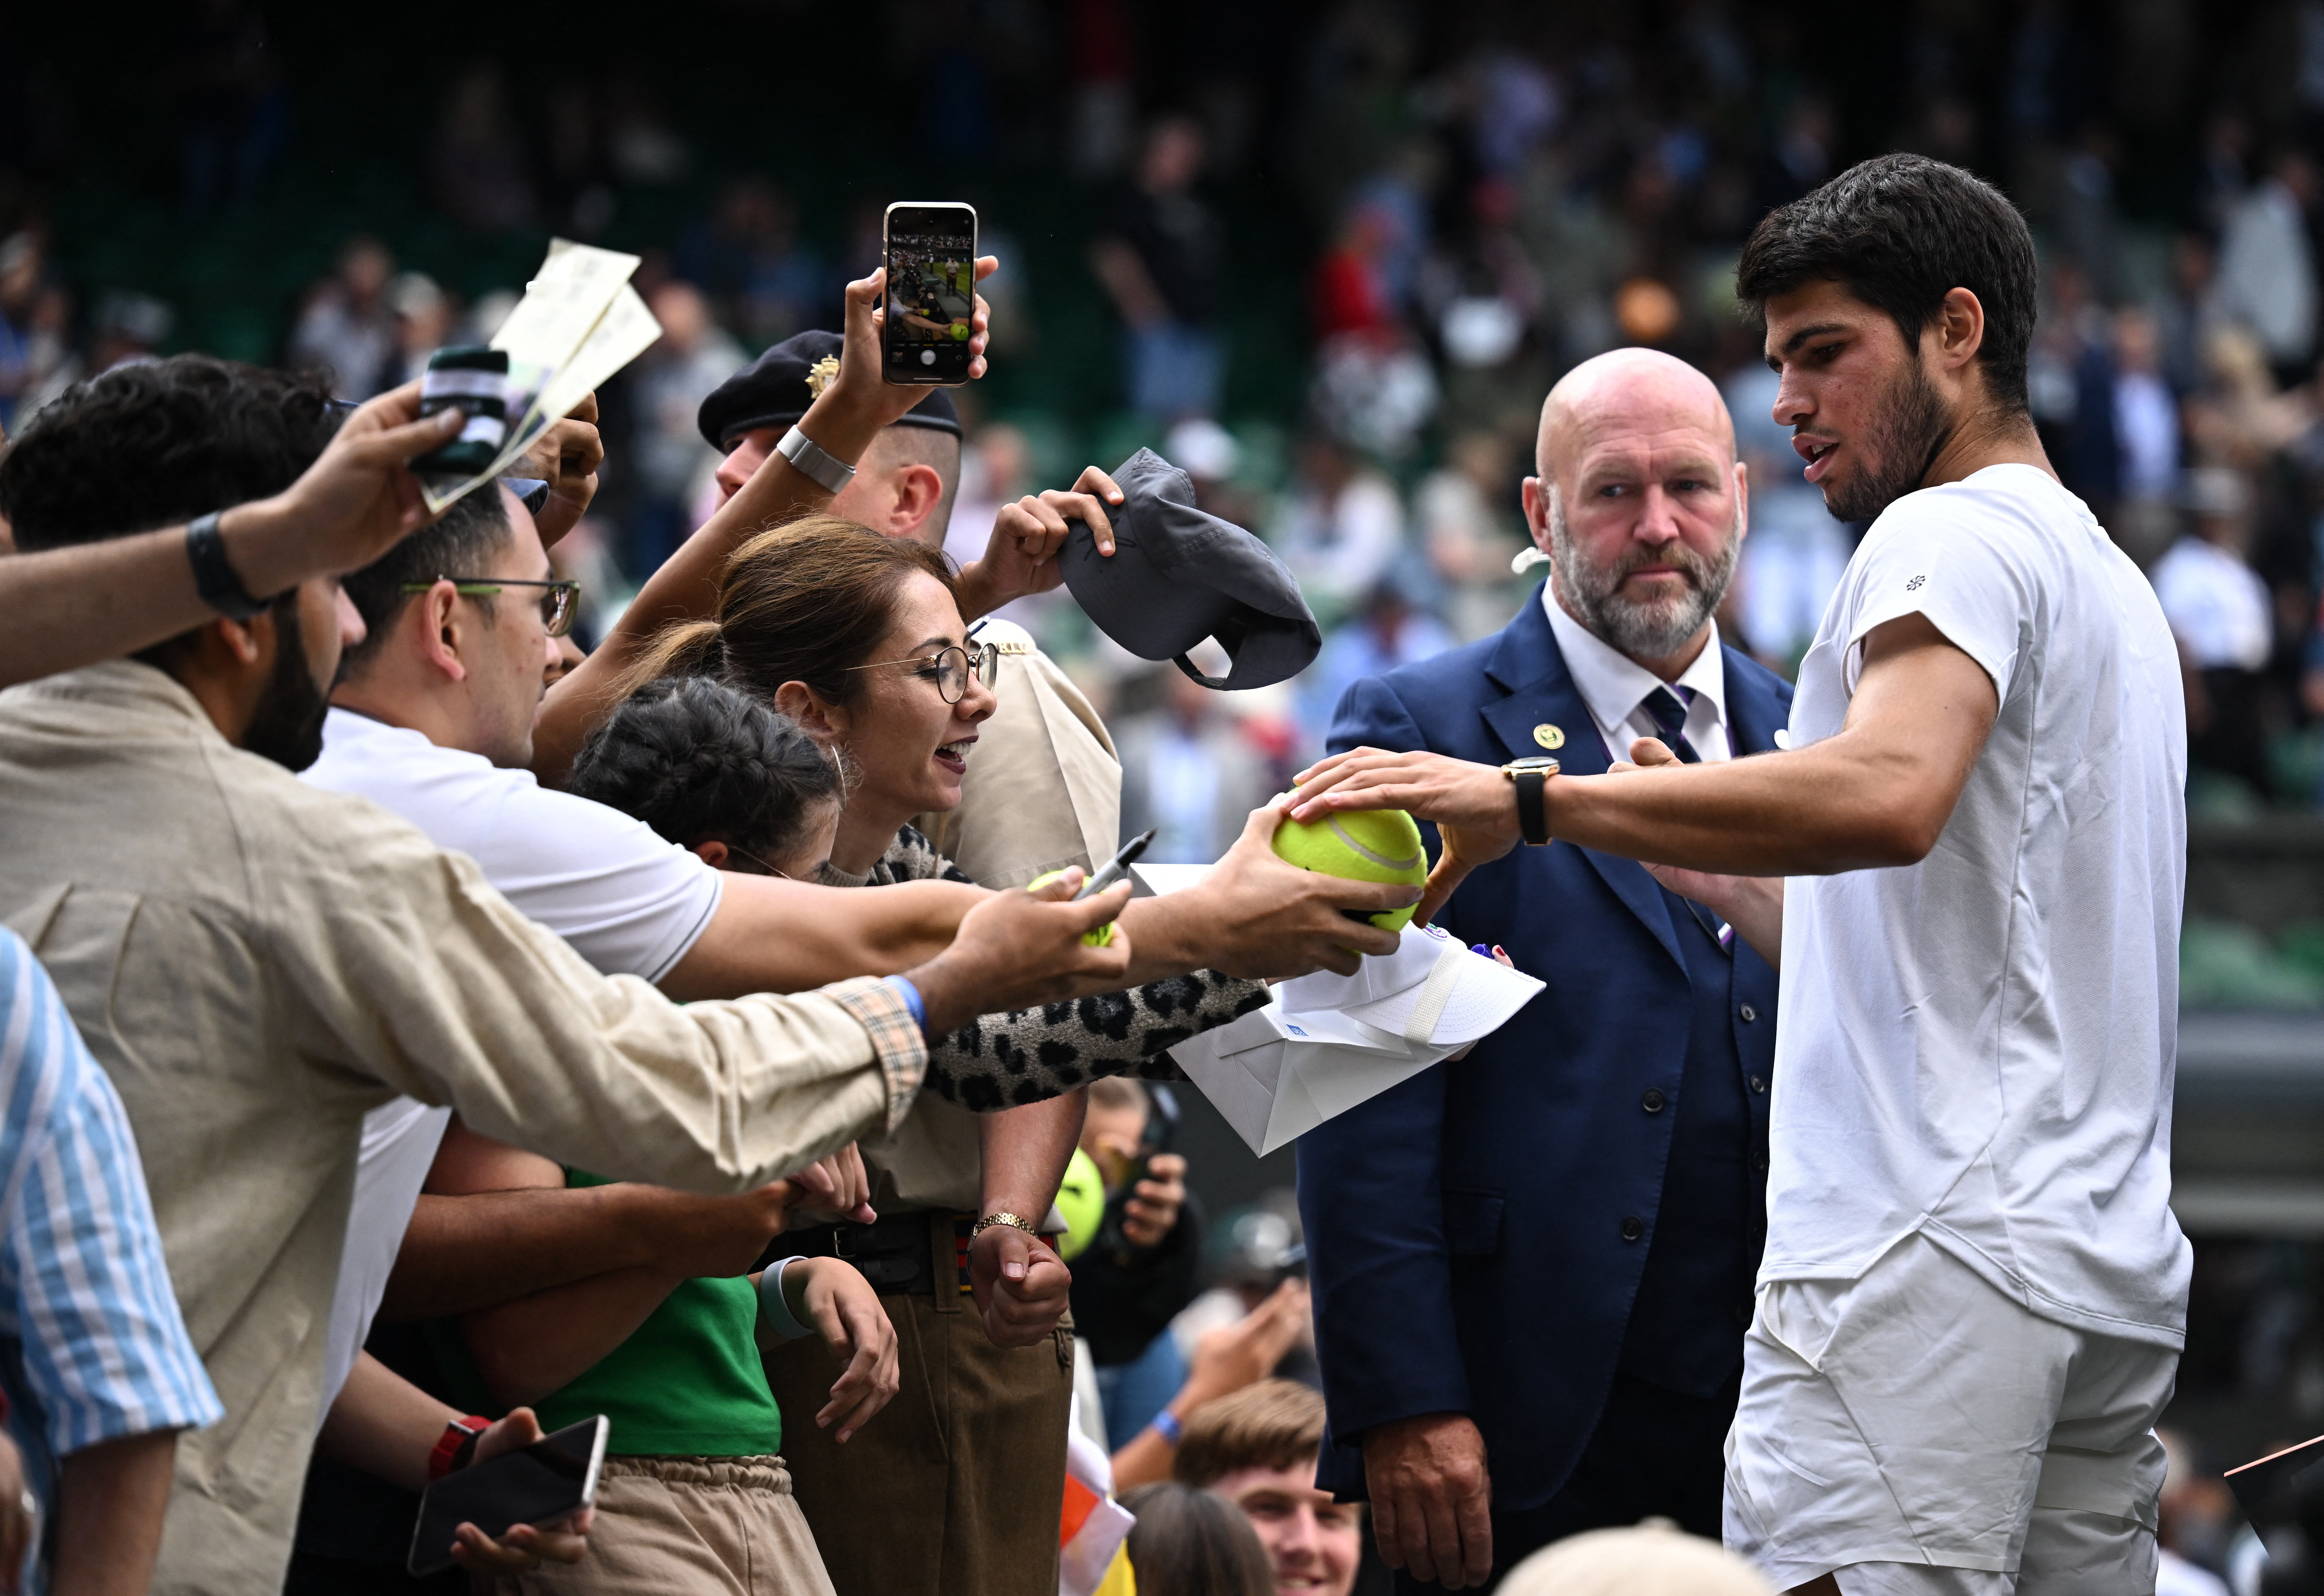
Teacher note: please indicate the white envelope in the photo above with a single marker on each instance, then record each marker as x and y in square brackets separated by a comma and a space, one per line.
[1274, 1078]
[1326, 1042]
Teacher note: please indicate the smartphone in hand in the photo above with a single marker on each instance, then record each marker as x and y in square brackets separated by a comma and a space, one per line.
[552, 1478]
[931, 293]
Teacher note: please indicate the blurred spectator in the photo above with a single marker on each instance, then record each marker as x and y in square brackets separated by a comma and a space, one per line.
[1188, 774]
[1140, 1271]
[2219, 610]
[2267, 267]
[2194, 1512]
[996, 468]
[1386, 634]
[1467, 532]
[1191, 1543]
[1375, 394]
[668, 385]
[233, 114]
[2187, 312]
[644, 149]
[1226, 1358]
[1654, 1559]
[346, 329]
[1253, 1249]
[1349, 291]
[423, 324]
[1257, 1449]
[1794, 552]
[1160, 259]
[128, 328]
[20, 293]
[2239, 418]
[748, 259]
[479, 169]
[2147, 436]
[1208, 456]
[52, 364]
[1343, 529]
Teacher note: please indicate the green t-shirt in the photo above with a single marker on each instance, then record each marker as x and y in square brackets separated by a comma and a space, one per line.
[687, 1382]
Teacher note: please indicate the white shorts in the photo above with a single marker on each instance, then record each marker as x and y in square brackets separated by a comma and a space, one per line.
[1917, 1433]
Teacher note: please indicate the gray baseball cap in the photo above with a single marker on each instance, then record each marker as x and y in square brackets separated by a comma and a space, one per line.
[1179, 574]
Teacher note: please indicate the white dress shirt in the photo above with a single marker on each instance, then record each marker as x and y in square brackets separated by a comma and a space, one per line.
[1616, 688]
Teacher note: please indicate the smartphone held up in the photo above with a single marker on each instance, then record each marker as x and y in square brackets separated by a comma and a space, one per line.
[931, 293]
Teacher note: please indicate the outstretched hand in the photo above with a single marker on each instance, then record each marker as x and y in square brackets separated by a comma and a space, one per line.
[860, 380]
[1021, 555]
[1474, 807]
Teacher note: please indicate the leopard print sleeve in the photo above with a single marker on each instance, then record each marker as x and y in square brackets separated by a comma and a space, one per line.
[1004, 1060]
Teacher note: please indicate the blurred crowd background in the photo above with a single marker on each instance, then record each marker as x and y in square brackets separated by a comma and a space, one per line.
[1327, 256]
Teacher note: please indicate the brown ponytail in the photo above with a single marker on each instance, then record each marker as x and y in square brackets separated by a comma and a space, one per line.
[806, 602]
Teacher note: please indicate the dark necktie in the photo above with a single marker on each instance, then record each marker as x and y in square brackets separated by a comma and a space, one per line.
[1668, 712]
[1668, 709]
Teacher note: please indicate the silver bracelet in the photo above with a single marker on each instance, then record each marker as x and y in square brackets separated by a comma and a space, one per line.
[815, 463]
[774, 1308]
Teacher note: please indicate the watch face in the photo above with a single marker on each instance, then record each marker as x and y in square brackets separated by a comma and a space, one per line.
[1547, 766]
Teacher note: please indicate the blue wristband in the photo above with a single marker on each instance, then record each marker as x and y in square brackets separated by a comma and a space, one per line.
[774, 1308]
[1165, 1424]
[911, 996]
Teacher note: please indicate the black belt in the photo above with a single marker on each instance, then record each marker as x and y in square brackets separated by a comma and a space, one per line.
[896, 1252]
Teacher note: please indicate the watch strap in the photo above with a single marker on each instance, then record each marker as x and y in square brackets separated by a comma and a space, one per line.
[1533, 807]
[815, 462]
[214, 573]
[456, 1445]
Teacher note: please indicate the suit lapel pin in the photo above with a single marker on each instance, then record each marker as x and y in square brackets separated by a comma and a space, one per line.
[1549, 736]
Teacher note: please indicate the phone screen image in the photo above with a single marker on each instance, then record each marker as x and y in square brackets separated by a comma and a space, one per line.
[538, 1484]
[931, 293]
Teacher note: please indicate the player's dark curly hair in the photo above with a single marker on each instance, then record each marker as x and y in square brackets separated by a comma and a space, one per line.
[700, 762]
[155, 444]
[1900, 232]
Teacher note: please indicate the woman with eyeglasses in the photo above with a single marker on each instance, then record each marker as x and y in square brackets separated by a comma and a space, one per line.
[858, 640]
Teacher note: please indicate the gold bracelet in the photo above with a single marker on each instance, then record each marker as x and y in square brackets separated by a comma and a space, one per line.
[1015, 1222]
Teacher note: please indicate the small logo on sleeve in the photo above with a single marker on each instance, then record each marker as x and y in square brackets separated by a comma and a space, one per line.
[1915, 584]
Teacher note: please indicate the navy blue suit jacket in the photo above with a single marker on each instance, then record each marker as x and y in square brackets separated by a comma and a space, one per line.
[1465, 1229]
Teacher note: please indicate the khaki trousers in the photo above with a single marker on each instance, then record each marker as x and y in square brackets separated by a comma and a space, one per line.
[688, 1527]
[956, 1487]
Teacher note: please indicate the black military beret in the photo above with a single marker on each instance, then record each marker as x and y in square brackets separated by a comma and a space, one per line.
[1179, 574]
[772, 392]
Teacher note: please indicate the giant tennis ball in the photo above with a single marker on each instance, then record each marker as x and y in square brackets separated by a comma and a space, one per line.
[1360, 846]
[1081, 1198]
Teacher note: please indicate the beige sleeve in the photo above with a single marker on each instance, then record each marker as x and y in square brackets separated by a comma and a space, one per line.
[1043, 789]
[429, 979]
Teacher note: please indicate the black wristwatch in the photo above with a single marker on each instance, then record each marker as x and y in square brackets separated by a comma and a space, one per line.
[214, 576]
[1531, 777]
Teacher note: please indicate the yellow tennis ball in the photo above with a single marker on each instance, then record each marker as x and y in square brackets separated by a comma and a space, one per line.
[1081, 1198]
[1102, 936]
[1362, 845]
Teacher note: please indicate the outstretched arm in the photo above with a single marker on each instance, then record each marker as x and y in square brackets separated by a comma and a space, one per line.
[842, 421]
[1878, 794]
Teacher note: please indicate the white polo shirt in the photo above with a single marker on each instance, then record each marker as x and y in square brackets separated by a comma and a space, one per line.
[629, 902]
[1980, 1047]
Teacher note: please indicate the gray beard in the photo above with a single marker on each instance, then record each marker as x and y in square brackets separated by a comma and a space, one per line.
[1642, 631]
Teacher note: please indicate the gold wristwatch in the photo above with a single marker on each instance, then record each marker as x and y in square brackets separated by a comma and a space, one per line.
[1531, 777]
[1015, 1222]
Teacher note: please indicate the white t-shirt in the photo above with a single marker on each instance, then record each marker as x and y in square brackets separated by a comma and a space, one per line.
[1980, 1047]
[629, 902]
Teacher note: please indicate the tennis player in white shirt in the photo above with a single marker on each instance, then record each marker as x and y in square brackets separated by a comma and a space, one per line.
[1974, 1293]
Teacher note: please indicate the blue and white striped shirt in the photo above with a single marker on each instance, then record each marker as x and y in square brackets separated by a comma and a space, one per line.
[92, 1346]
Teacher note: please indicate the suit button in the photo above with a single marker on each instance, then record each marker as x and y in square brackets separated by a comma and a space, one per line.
[1749, 1014]
[1632, 1229]
[1653, 1101]
[1760, 1083]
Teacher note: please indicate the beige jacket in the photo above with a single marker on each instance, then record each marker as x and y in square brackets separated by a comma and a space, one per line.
[257, 962]
[1043, 791]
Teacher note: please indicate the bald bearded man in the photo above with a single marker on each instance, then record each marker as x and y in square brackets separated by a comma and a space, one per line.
[1532, 1269]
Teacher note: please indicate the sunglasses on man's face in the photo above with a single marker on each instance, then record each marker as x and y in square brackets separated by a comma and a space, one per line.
[559, 600]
